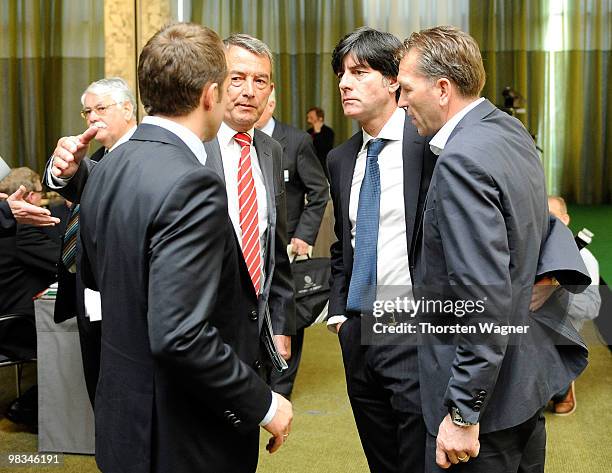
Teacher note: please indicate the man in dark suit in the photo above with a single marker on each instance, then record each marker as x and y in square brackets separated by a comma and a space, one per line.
[483, 230]
[382, 380]
[109, 108]
[307, 194]
[27, 266]
[177, 391]
[250, 70]
[322, 135]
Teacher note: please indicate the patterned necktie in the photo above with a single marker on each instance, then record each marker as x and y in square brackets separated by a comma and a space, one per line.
[362, 288]
[248, 212]
[70, 238]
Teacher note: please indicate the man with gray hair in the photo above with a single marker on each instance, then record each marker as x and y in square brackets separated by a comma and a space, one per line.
[109, 109]
[250, 164]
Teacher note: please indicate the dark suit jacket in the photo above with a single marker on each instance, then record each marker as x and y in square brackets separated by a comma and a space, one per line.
[27, 266]
[418, 165]
[485, 227]
[303, 176]
[7, 221]
[277, 291]
[323, 143]
[70, 299]
[176, 391]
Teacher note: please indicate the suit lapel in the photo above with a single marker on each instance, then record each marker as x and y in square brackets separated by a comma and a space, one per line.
[213, 157]
[264, 156]
[412, 155]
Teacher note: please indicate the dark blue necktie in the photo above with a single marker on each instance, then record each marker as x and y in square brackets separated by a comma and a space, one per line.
[362, 289]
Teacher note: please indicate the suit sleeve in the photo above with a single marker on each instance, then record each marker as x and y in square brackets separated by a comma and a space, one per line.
[338, 282]
[281, 301]
[560, 257]
[74, 188]
[317, 191]
[473, 233]
[7, 221]
[186, 253]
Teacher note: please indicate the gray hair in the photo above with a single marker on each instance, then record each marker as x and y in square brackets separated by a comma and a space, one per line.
[250, 43]
[116, 87]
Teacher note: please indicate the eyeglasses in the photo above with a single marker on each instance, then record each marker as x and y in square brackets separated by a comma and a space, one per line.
[99, 109]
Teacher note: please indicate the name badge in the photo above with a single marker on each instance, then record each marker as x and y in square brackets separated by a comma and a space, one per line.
[286, 175]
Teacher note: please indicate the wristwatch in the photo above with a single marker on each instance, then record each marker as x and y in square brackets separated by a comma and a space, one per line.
[457, 419]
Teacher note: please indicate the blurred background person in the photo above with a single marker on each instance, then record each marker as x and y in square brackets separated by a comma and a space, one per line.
[307, 194]
[28, 260]
[581, 307]
[322, 135]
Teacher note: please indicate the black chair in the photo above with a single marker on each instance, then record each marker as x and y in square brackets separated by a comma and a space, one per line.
[17, 343]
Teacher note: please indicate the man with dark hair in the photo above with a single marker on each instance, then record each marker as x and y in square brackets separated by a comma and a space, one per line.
[307, 195]
[322, 135]
[378, 182]
[483, 232]
[177, 389]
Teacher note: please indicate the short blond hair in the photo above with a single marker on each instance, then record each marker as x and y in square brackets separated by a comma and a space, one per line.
[21, 177]
[446, 51]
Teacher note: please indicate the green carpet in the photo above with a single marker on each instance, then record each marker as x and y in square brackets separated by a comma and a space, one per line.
[324, 438]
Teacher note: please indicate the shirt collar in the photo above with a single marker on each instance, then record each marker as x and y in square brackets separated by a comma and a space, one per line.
[226, 134]
[438, 142]
[393, 130]
[123, 139]
[185, 135]
[268, 128]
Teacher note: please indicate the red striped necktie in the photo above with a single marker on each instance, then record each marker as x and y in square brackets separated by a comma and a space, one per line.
[248, 212]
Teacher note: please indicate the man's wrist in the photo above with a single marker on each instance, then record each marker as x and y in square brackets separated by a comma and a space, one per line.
[271, 411]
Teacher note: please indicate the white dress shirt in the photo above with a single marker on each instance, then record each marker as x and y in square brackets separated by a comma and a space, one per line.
[230, 156]
[268, 128]
[392, 273]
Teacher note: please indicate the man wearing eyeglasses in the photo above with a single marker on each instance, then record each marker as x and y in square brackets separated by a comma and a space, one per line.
[109, 108]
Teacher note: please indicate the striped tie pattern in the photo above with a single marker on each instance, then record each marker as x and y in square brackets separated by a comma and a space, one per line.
[248, 212]
[70, 238]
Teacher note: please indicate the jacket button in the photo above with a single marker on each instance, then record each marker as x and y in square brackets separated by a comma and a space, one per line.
[257, 365]
[476, 408]
[237, 422]
[253, 315]
[478, 403]
[482, 393]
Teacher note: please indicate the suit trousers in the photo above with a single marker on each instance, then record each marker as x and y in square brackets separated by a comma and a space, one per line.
[520, 449]
[282, 383]
[383, 388]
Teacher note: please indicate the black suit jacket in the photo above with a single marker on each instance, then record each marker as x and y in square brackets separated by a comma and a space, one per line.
[485, 227]
[70, 299]
[418, 166]
[323, 143]
[176, 391]
[303, 176]
[27, 266]
[277, 290]
[7, 221]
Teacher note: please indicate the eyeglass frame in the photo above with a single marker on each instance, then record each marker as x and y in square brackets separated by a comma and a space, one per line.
[99, 109]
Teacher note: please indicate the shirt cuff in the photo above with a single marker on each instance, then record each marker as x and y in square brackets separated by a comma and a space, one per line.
[271, 412]
[333, 321]
[54, 182]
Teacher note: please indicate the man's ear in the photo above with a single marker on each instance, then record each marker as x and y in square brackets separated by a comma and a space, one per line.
[391, 83]
[128, 110]
[444, 86]
[210, 96]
